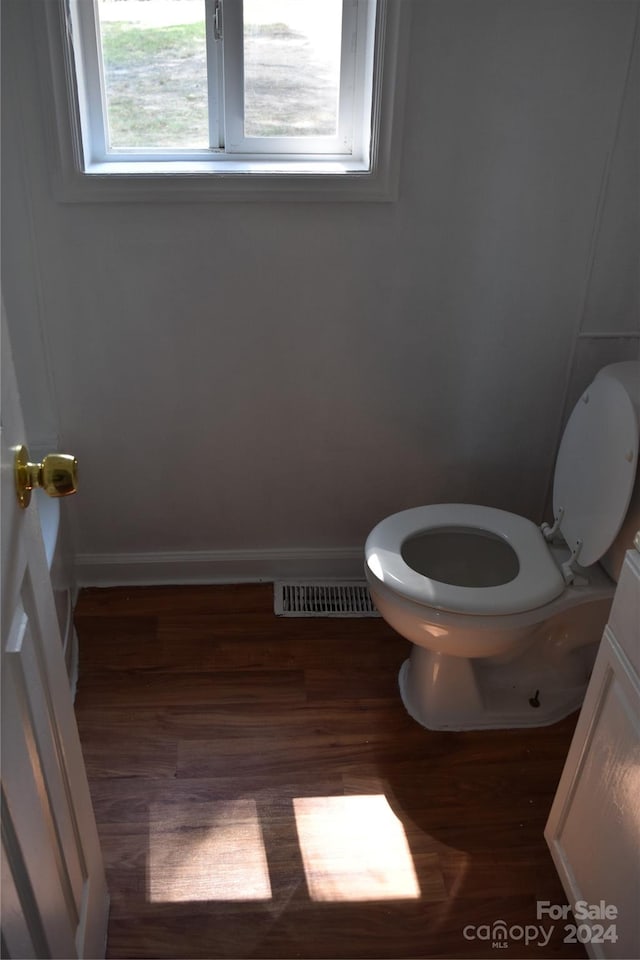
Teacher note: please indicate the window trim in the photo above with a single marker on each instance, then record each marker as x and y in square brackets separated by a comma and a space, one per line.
[268, 178]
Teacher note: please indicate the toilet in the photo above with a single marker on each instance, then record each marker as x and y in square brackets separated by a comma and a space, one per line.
[505, 616]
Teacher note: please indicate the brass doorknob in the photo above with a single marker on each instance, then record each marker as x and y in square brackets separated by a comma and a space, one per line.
[57, 475]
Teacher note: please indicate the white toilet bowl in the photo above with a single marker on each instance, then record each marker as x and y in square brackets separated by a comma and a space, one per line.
[504, 620]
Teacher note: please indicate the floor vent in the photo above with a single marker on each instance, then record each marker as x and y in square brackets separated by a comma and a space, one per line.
[343, 599]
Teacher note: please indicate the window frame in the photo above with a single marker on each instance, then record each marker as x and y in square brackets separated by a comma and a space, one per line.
[209, 176]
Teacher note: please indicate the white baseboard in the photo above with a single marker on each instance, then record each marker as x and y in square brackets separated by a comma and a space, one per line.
[217, 566]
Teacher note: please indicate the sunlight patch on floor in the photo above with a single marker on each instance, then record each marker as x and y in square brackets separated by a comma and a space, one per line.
[213, 851]
[354, 848]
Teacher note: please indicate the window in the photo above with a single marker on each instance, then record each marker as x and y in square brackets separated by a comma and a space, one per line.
[242, 96]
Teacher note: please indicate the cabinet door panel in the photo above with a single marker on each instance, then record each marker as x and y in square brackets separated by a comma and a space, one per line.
[593, 830]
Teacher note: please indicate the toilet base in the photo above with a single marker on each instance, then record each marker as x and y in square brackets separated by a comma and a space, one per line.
[453, 693]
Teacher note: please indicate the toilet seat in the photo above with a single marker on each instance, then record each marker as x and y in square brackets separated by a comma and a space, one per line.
[537, 582]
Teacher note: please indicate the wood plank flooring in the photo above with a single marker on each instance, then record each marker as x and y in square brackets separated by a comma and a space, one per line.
[260, 790]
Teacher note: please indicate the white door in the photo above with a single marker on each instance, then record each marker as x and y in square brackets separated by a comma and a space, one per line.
[54, 895]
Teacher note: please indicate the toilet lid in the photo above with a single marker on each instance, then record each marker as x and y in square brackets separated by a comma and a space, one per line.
[596, 468]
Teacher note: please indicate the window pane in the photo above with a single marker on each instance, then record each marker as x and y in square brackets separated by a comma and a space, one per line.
[291, 67]
[155, 66]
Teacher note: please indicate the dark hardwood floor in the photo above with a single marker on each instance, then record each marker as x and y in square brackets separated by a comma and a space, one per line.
[260, 790]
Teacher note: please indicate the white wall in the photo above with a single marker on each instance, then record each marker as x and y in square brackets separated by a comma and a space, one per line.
[609, 327]
[278, 377]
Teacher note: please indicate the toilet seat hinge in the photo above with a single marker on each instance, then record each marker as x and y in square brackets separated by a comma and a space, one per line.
[568, 571]
[548, 531]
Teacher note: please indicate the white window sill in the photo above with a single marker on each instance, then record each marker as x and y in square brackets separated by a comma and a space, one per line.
[216, 167]
[230, 180]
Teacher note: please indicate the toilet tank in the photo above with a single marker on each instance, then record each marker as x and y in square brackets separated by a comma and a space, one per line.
[628, 374]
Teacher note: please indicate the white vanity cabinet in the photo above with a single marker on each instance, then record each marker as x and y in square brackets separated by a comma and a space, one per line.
[593, 830]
